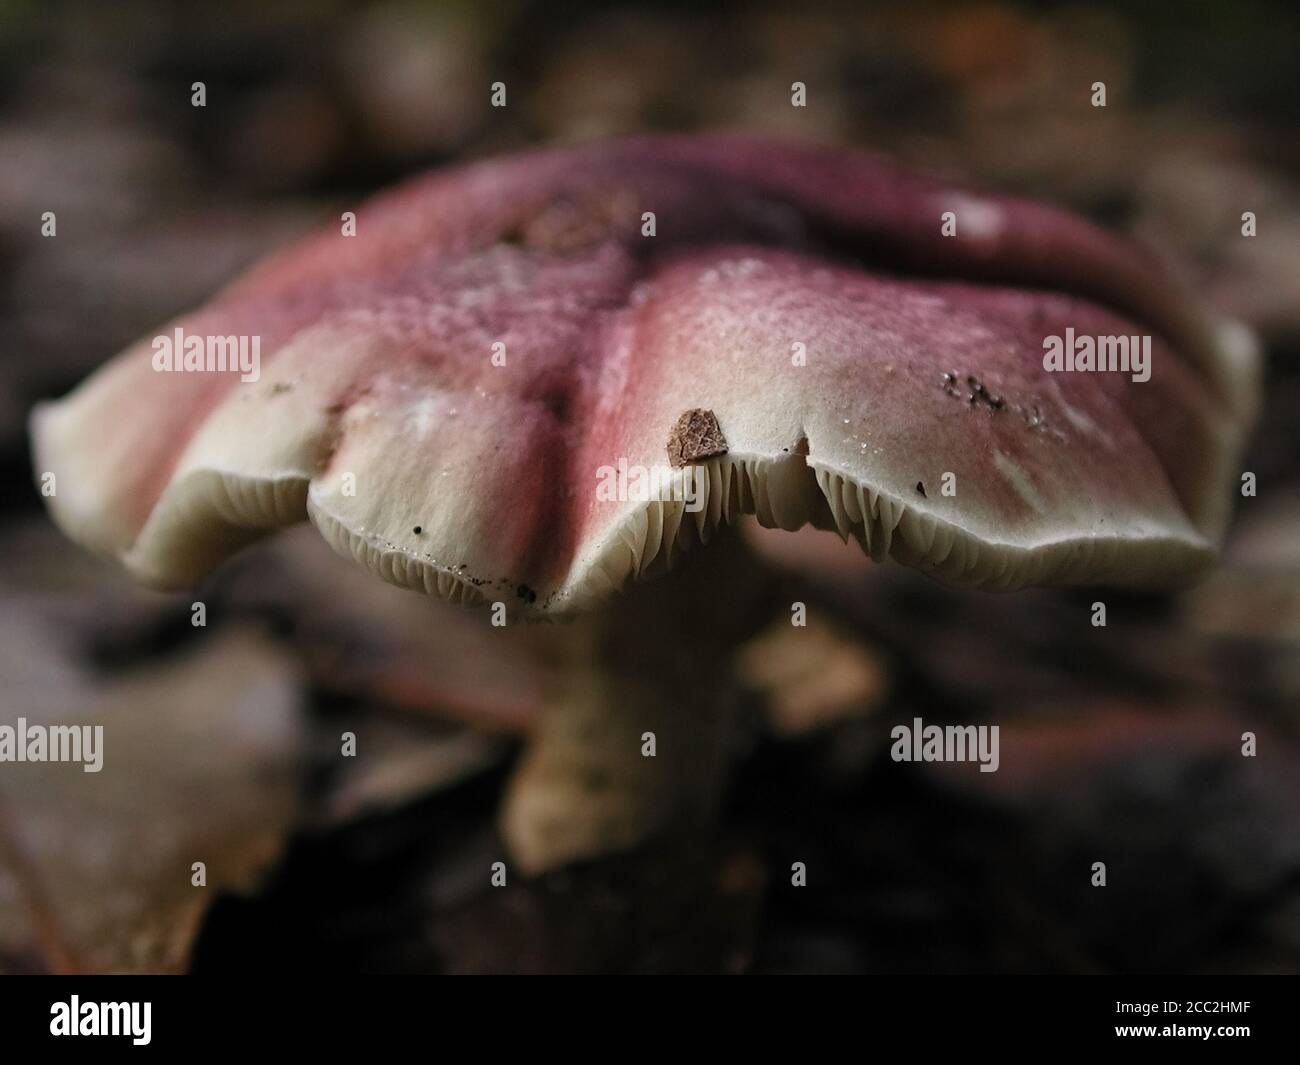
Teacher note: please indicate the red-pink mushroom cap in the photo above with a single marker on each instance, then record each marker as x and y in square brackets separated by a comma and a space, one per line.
[446, 393]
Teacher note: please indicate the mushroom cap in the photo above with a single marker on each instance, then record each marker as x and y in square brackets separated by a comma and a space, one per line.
[381, 413]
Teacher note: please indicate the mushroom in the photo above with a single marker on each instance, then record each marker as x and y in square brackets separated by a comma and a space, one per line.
[532, 381]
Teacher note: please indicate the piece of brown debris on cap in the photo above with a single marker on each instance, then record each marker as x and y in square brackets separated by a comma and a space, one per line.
[697, 435]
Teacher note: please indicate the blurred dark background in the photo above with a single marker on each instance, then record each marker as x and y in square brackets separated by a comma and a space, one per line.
[1119, 745]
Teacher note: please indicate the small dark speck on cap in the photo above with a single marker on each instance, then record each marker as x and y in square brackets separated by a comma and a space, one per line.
[920, 487]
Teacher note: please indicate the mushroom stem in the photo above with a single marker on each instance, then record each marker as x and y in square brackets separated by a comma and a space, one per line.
[652, 671]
